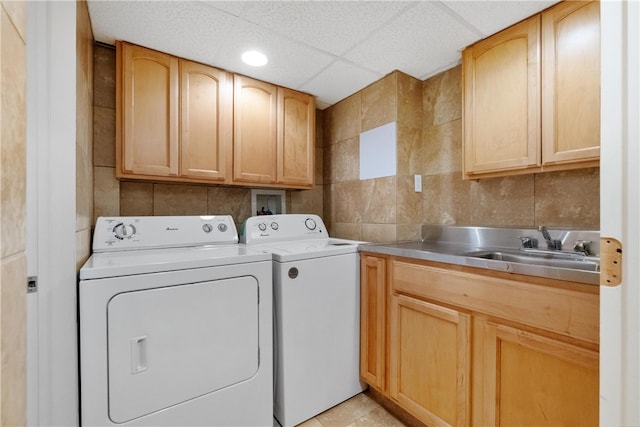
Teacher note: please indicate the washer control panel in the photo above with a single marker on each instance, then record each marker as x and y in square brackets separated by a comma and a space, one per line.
[279, 228]
[147, 232]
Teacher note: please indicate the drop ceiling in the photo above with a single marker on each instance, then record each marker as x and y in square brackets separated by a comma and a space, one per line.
[330, 49]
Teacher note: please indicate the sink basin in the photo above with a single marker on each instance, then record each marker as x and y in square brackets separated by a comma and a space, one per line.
[560, 260]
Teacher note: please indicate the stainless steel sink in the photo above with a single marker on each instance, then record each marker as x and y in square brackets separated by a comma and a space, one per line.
[543, 258]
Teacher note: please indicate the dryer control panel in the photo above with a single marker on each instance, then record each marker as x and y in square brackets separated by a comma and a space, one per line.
[153, 232]
[280, 228]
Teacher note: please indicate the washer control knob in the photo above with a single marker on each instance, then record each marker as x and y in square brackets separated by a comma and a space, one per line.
[208, 228]
[262, 226]
[124, 231]
[274, 226]
[310, 224]
[222, 228]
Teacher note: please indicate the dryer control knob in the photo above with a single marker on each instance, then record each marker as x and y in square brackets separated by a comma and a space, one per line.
[124, 231]
[274, 226]
[208, 228]
[222, 228]
[310, 224]
[262, 226]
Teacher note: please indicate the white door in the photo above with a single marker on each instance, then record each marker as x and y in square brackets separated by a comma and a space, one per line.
[172, 344]
[620, 212]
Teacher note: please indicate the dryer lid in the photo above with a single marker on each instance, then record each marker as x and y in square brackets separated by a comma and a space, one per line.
[128, 263]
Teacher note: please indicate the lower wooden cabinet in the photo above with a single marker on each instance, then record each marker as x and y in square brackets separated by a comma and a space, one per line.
[373, 297]
[429, 361]
[466, 346]
[532, 380]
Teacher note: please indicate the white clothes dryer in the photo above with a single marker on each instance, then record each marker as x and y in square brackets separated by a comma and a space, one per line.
[175, 325]
[316, 282]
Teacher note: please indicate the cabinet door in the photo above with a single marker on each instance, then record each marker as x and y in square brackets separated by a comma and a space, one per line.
[527, 379]
[429, 361]
[373, 297]
[206, 96]
[296, 138]
[501, 86]
[148, 117]
[254, 155]
[571, 82]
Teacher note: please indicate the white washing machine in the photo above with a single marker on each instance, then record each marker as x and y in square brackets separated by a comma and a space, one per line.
[316, 282]
[175, 325]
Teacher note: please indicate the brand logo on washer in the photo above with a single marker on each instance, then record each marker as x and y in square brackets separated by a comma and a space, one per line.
[293, 273]
[172, 229]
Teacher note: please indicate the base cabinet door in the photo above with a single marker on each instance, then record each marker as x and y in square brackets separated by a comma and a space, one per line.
[430, 361]
[373, 343]
[532, 380]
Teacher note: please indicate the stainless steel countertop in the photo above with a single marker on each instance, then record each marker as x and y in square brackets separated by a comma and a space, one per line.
[454, 244]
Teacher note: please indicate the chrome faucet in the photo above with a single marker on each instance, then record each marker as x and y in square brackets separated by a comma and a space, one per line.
[552, 244]
[582, 246]
[528, 242]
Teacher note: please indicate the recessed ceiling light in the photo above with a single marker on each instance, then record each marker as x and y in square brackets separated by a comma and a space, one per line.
[254, 58]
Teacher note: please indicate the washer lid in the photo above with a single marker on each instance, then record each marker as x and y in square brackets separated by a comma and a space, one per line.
[307, 249]
[128, 263]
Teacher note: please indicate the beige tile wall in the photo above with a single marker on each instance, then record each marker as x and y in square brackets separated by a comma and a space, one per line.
[429, 122]
[84, 133]
[380, 209]
[557, 199]
[113, 197]
[12, 213]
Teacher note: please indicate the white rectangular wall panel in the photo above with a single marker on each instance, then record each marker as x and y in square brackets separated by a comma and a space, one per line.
[378, 152]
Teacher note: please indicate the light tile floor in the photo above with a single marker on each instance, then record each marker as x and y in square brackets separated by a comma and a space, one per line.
[358, 411]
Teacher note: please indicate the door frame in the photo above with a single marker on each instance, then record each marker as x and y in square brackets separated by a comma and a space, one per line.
[52, 356]
[619, 211]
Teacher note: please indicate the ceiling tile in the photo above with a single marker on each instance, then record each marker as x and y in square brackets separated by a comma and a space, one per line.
[290, 63]
[166, 26]
[338, 81]
[208, 35]
[331, 26]
[489, 17]
[330, 49]
[421, 40]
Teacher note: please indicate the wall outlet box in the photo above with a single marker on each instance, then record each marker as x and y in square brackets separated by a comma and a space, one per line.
[417, 182]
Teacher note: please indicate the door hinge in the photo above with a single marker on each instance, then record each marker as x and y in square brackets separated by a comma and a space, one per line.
[610, 261]
[32, 284]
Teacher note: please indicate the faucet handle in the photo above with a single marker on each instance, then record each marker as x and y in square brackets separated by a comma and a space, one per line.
[529, 242]
[582, 246]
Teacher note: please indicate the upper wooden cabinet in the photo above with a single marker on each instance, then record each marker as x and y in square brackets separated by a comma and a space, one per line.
[296, 137]
[147, 120]
[254, 132]
[571, 82]
[502, 100]
[174, 118]
[274, 134]
[532, 94]
[182, 121]
[205, 121]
